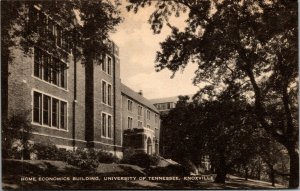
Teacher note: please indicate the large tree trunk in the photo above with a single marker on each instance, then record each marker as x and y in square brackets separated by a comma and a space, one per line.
[221, 170]
[294, 168]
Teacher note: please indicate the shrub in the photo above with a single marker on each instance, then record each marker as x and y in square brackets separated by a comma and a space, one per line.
[90, 158]
[105, 157]
[45, 151]
[141, 159]
[83, 159]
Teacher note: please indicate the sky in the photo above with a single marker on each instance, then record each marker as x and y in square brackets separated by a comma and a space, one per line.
[138, 46]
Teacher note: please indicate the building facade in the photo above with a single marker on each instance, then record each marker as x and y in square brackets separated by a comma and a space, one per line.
[74, 105]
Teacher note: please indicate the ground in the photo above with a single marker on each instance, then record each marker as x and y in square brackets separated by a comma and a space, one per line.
[14, 169]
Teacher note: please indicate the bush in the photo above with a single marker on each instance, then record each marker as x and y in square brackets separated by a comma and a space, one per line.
[46, 151]
[83, 159]
[141, 159]
[90, 158]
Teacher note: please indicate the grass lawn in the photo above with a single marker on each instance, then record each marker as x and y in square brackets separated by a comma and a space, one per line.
[39, 170]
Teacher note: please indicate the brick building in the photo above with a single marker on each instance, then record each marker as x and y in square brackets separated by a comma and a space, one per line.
[72, 105]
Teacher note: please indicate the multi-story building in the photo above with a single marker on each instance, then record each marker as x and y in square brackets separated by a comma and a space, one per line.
[164, 105]
[74, 105]
[141, 113]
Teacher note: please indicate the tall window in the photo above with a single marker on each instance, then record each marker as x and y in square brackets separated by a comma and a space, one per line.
[129, 122]
[104, 66]
[49, 111]
[130, 103]
[148, 114]
[109, 126]
[49, 68]
[37, 107]
[109, 66]
[104, 92]
[46, 110]
[106, 125]
[55, 112]
[156, 118]
[140, 110]
[48, 28]
[148, 126]
[109, 94]
[38, 63]
[63, 114]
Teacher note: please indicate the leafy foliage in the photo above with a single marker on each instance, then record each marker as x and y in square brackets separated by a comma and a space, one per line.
[16, 134]
[141, 159]
[254, 44]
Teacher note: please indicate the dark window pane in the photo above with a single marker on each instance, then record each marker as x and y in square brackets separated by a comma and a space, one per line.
[104, 92]
[103, 124]
[109, 126]
[109, 65]
[46, 110]
[63, 115]
[37, 107]
[109, 94]
[55, 106]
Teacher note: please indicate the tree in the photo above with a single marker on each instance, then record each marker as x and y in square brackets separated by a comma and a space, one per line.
[18, 128]
[255, 41]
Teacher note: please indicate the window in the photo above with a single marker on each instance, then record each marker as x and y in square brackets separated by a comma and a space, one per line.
[148, 126]
[140, 110]
[49, 111]
[109, 126]
[104, 92]
[37, 106]
[140, 124]
[129, 122]
[130, 103]
[48, 28]
[46, 110]
[109, 94]
[63, 115]
[106, 125]
[38, 63]
[49, 68]
[104, 66]
[55, 112]
[108, 65]
[148, 114]
[156, 118]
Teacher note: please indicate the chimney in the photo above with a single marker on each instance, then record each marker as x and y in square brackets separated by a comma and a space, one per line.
[140, 92]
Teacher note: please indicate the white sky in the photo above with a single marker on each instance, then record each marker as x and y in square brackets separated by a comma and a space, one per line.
[138, 46]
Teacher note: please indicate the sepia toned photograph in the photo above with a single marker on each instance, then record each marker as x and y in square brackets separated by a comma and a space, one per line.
[149, 94]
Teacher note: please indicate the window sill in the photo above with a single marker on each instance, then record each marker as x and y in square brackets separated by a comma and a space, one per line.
[66, 90]
[45, 126]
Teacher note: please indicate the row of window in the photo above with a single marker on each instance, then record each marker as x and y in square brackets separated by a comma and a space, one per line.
[140, 111]
[106, 125]
[50, 69]
[130, 123]
[46, 27]
[165, 106]
[49, 111]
